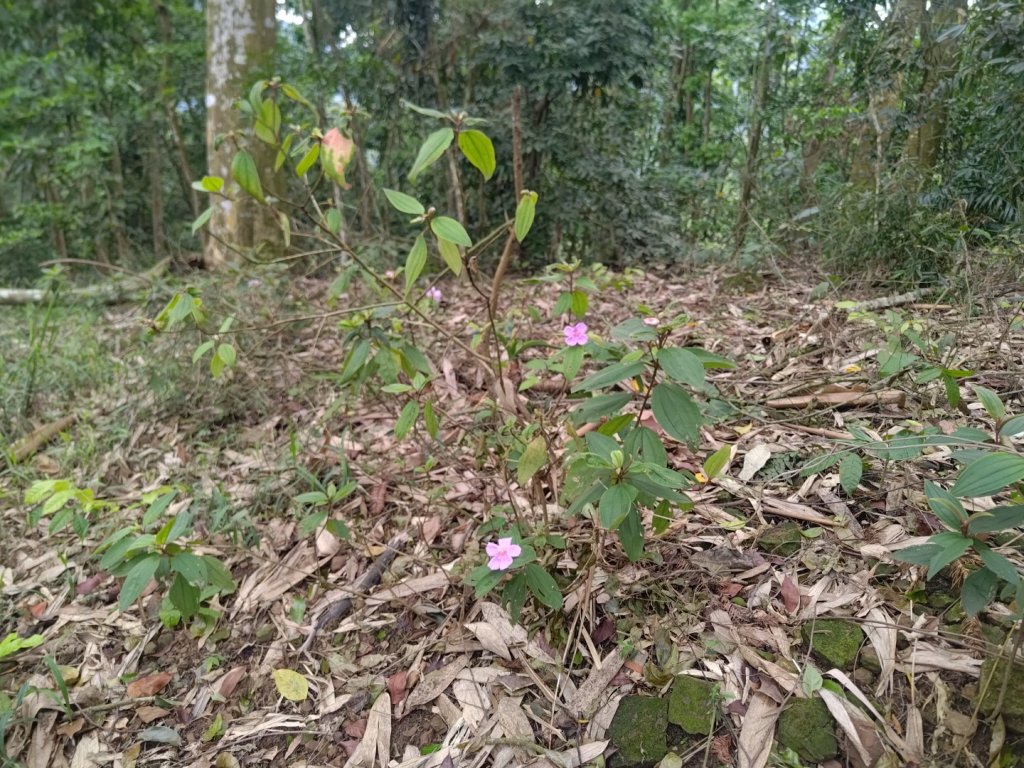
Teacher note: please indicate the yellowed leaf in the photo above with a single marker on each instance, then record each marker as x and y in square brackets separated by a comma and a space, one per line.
[291, 685]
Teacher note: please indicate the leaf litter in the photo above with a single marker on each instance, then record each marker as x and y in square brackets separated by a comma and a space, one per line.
[498, 692]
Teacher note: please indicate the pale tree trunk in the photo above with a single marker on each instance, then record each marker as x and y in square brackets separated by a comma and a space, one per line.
[240, 37]
[760, 98]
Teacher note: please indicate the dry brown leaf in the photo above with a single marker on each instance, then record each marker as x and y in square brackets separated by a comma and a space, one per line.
[148, 714]
[590, 693]
[754, 745]
[790, 593]
[490, 638]
[434, 683]
[227, 684]
[150, 685]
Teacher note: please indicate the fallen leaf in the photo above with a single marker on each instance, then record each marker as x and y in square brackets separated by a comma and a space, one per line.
[150, 685]
[230, 681]
[790, 594]
[291, 684]
[148, 714]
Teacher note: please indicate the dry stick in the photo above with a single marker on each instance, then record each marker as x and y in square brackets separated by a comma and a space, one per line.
[337, 610]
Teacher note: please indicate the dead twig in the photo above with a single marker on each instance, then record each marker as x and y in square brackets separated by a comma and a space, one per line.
[338, 609]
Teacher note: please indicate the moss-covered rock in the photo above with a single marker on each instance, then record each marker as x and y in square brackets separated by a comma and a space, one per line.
[806, 727]
[993, 672]
[692, 705]
[638, 732]
[835, 640]
[783, 539]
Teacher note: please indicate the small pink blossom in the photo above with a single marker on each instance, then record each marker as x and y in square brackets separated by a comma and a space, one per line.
[434, 293]
[652, 321]
[390, 274]
[501, 553]
[575, 335]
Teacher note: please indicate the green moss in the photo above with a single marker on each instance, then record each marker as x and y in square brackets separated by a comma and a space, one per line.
[638, 732]
[783, 539]
[835, 640]
[806, 727]
[692, 705]
[993, 672]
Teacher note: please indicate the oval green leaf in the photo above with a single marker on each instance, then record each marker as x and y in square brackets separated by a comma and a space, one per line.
[989, 474]
[243, 170]
[449, 229]
[432, 148]
[414, 263]
[525, 211]
[450, 254]
[479, 150]
[676, 412]
[543, 587]
[404, 203]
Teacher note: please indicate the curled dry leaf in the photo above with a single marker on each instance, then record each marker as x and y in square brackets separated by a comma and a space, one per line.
[230, 681]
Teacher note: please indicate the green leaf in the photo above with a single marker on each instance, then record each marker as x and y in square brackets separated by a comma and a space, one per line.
[996, 563]
[483, 580]
[644, 443]
[158, 507]
[631, 534]
[14, 643]
[534, 456]
[948, 552]
[414, 263]
[479, 150]
[682, 365]
[243, 170]
[580, 302]
[202, 349]
[990, 400]
[572, 361]
[514, 596]
[226, 352]
[311, 497]
[202, 219]
[332, 220]
[989, 474]
[711, 360]
[997, 519]
[717, 462]
[820, 464]
[608, 375]
[356, 360]
[450, 254]
[268, 122]
[1012, 427]
[543, 586]
[425, 111]
[184, 596]
[525, 211]
[920, 554]
[209, 184]
[594, 408]
[307, 160]
[135, 581]
[449, 229]
[404, 203]
[189, 565]
[850, 470]
[406, 419]
[676, 412]
[811, 680]
[430, 419]
[431, 150]
[945, 505]
[978, 590]
[615, 504]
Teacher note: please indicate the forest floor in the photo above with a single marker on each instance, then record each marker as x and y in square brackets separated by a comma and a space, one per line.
[778, 588]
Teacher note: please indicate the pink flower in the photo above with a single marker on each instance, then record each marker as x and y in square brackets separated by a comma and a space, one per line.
[390, 274]
[501, 553]
[575, 335]
[433, 293]
[652, 321]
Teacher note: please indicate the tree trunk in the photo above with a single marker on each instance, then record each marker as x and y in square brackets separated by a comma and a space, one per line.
[760, 97]
[240, 37]
[156, 192]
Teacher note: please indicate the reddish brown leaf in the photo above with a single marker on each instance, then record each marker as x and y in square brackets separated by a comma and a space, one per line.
[355, 728]
[150, 685]
[604, 630]
[230, 681]
[790, 595]
[721, 748]
[149, 714]
[87, 586]
[730, 589]
[397, 687]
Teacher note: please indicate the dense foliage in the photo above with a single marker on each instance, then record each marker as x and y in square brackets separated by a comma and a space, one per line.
[651, 129]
